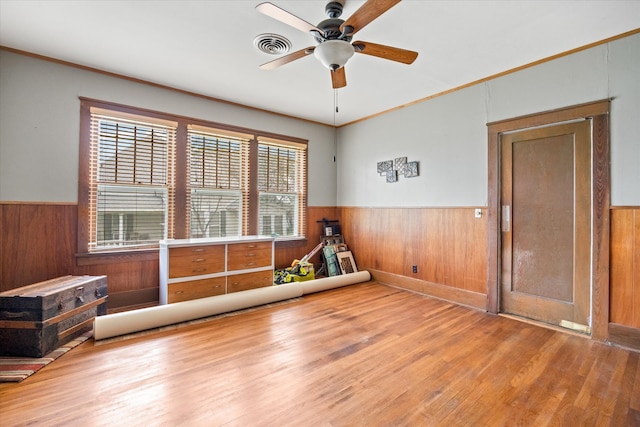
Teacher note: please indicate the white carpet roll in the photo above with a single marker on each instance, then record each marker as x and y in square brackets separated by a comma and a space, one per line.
[127, 322]
[327, 283]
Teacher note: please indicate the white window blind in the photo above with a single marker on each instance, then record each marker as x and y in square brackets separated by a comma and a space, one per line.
[131, 184]
[146, 176]
[281, 188]
[218, 183]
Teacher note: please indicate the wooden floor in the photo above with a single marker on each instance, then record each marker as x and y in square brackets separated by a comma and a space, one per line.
[363, 355]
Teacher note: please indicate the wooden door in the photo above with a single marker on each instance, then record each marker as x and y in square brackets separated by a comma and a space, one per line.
[546, 224]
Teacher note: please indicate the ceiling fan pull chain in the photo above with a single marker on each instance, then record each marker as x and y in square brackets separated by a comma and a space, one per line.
[335, 105]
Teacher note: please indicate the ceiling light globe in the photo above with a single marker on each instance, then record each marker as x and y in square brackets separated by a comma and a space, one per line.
[333, 54]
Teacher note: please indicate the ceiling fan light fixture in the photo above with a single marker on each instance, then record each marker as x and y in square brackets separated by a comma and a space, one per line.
[333, 54]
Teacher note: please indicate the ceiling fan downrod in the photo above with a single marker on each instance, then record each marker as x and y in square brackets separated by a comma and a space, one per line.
[334, 9]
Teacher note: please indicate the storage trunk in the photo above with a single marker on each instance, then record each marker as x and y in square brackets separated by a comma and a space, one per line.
[39, 318]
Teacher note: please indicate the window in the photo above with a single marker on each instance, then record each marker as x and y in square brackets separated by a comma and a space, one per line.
[218, 180]
[129, 196]
[147, 176]
[281, 187]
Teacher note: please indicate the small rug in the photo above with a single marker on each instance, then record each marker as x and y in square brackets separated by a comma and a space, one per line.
[16, 369]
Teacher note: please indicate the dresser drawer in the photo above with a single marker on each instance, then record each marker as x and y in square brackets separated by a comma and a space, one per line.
[184, 291]
[196, 260]
[244, 256]
[243, 282]
[186, 251]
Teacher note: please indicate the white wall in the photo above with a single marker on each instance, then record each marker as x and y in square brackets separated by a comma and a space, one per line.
[39, 126]
[40, 117]
[448, 134]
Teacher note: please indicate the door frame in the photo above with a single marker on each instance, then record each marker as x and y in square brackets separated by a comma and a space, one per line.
[598, 113]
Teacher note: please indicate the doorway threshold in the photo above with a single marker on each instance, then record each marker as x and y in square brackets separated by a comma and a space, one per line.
[546, 325]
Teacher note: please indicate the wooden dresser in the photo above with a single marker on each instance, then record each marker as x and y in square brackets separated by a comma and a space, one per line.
[199, 268]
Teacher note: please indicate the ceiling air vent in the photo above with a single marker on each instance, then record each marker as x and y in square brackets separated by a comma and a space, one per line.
[273, 44]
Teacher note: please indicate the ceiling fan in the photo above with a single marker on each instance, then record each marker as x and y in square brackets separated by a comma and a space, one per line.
[334, 35]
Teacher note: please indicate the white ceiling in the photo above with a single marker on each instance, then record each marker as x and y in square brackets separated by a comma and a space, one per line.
[206, 47]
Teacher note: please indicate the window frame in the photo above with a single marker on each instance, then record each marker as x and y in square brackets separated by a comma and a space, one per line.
[149, 156]
[266, 187]
[181, 179]
[237, 183]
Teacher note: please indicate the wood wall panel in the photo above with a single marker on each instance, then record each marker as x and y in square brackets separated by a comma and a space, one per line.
[625, 267]
[39, 242]
[447, 244]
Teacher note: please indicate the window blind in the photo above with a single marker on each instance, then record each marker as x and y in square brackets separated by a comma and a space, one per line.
[232, 181]
[282, 188]
[218, 193]
[131, 188]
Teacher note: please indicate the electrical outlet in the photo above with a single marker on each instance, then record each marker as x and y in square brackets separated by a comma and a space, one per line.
[415, 268]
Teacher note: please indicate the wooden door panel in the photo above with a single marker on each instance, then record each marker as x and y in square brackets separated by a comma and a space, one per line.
[545, 272]
[542, 217]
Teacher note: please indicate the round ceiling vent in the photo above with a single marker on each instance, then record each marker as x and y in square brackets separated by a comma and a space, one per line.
[273, 44]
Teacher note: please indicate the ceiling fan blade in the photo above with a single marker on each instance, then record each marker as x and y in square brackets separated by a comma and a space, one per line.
[338, 78]
[287, 58]
[282, 15]
[367, 13]
[386, 52]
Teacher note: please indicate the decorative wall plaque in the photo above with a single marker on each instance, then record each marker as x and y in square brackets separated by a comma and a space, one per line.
[393, 169]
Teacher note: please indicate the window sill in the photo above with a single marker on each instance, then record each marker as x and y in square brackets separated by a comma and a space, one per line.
[98, 258]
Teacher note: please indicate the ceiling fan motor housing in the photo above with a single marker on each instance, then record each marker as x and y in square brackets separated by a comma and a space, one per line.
[331, 30]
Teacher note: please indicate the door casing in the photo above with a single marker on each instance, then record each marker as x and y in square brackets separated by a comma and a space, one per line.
[546, 183]
[598, 112]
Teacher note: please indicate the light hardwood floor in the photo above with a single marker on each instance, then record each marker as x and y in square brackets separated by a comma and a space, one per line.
[362, 355]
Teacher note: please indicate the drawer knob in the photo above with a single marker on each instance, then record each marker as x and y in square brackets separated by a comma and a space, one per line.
[250, 255]
[198, 270]
[199, 260]
[197, 250]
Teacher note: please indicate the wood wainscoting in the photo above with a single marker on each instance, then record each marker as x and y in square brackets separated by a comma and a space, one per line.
[39, 243]
[447, 245]
[624, 326]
